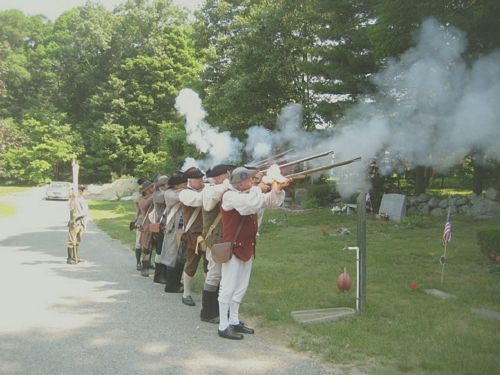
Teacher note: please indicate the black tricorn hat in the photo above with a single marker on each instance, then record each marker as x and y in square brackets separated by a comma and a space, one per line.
[193, 172]
[145, 185]
[176, 179]
[220, 169]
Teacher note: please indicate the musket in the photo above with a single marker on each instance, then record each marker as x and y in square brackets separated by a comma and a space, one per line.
[308, 172]
[289, 164]
[272, 158]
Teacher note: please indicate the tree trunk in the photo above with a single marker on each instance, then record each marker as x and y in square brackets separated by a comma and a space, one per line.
[479, 173]
[420, 180]
[478, 179]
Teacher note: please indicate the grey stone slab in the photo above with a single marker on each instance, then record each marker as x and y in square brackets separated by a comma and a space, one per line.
[440, 294]
[322, 315]
[393, 205]
[487, 313]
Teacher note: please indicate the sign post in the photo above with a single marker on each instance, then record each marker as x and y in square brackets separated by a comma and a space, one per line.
[361, 239]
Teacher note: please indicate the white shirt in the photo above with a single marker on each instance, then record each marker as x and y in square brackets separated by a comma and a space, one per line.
[251, 202]
[212, 194]
[191, 198]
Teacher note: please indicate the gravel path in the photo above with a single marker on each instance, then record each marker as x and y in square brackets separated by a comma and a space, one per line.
[101, 317]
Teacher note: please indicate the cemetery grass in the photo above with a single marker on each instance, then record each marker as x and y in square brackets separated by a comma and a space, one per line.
[299, 257]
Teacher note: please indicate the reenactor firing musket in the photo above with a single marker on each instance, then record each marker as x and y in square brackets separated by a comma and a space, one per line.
[309, 172]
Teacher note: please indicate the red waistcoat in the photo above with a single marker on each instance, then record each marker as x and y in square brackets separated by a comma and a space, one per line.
[244, 247]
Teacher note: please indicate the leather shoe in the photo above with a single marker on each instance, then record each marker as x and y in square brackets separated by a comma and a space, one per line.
[188, 301]
[228, 333]
[241, 328]
[211, 320]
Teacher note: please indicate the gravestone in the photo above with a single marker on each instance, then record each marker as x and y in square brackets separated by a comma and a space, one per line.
[322, 315]
[394, 205]
[440, 294]
[300, 196]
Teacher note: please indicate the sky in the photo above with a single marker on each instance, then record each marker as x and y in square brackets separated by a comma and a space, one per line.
[53, 8]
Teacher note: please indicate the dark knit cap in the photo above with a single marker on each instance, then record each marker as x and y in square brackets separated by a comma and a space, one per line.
[176, 179]
[193, 172]
[220, 169]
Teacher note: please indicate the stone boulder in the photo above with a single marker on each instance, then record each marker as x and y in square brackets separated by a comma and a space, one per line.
[433, 202]
[423, 198]
[485, 209]
[123, 187]
[443, 203]
[438, 212]
[492, 194]
[423, 209]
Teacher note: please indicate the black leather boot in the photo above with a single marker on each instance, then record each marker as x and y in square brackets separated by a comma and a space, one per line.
[70, 259]
[145, 268]
[163, 273]
[138, 259]
[210, 306]
[172, 284]
[160, 274]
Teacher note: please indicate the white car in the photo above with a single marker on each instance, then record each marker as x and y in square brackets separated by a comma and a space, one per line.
[58, 190]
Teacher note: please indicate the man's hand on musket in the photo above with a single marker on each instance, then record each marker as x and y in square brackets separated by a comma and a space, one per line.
[264, 187]
[278, 186]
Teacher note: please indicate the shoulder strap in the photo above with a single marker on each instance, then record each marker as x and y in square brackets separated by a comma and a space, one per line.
[193, 217]
[147, 213]
[239, 229]
[171, 213]
[214, 224]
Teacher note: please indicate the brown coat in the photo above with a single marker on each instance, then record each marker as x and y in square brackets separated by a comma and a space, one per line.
[145, 206]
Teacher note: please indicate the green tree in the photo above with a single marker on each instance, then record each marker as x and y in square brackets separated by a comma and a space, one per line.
[45, 154]
[262, 55]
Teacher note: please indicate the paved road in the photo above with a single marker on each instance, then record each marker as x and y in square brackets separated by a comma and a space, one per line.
[101, 317]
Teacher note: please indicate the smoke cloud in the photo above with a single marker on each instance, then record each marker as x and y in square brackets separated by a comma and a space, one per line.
[218, 146]
[432, 108]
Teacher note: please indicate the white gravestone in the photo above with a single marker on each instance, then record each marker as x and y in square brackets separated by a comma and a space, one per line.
[393, 205]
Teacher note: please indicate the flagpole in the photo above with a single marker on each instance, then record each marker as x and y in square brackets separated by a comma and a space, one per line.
[443, 258]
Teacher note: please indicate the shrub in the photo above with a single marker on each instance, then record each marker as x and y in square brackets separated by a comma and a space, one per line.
[489, 240]
[323, 191]
[310, 202]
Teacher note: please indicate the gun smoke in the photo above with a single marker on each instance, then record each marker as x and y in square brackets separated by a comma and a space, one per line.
[219, 147]
[433, 108]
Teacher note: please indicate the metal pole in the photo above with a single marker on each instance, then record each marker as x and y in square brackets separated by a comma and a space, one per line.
[361, 240]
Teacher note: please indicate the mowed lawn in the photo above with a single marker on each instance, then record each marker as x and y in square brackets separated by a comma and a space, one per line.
[6, 208]
[299, 257]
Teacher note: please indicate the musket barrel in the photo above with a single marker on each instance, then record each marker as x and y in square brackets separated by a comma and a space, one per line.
[273, 157]
[319, 169]
[289, 164]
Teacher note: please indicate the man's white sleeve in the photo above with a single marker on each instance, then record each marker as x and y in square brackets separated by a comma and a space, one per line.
[273, 199]
[191, 198]
[245, 203]
[212, 194]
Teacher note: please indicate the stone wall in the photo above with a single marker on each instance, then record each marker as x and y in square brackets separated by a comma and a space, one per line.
[484, 206]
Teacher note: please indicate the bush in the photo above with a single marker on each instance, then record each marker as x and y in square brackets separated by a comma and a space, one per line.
[323, 192]
[489, 240]
[310, 202]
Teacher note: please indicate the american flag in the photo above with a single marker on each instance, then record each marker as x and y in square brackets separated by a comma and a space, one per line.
[447, 232]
